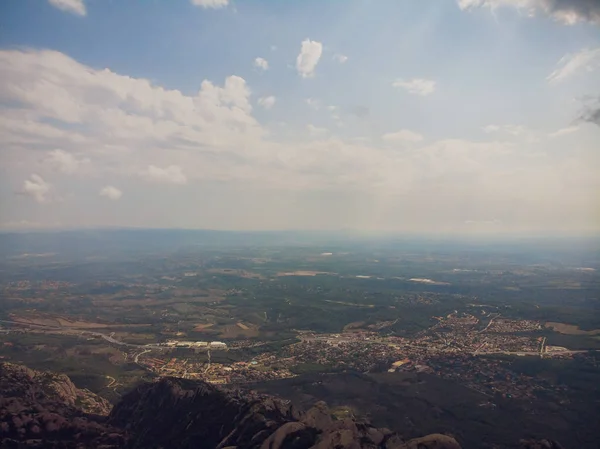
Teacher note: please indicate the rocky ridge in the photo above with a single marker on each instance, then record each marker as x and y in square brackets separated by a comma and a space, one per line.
[45, 410]
[39, 409]
[222, 419]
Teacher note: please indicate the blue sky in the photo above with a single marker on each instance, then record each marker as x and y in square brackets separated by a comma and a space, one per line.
[445, 116]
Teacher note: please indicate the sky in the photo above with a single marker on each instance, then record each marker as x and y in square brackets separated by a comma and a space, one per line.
[438, 117]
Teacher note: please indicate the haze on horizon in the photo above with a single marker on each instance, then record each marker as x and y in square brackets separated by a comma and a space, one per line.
[445, 116]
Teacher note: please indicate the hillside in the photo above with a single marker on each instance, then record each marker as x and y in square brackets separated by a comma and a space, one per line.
[45, 410]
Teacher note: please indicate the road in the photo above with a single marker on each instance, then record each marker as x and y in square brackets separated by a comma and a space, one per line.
[578, 351]
[112, 381]
[489, 324]
[106, 337]
[135, 359]
[542, 347]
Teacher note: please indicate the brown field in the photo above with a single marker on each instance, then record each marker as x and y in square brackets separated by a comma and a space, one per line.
[370, 306]
[302, 273]
[235, 331]
[236, 272]
[149, 302]
[242, 326]
[66, 323]
[353, 326]
[201, 327]
[38, 321]
[570, 329]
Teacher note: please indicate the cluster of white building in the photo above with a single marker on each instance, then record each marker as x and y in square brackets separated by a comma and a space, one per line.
[196, 344]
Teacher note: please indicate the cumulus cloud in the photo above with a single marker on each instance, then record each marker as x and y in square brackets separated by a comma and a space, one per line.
[76, 7]
[513, 130]
[110, 192]
[340, 58]
[307, 60]
[416, 86]
[214, 4]
[261, 63]
[519, 133]
[316, 131]
[359, 111]
[569, 65]
[52, 101]
[566, 11]
[314, 103]
[564, 131]
[267, 102]
[65, 162]
[402, 136]
[131, 127]
[36, 188]
[173, 174]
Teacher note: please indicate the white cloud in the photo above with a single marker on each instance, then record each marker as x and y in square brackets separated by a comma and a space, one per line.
[214, 4]
[36, 188]
[110, 192]
[513, 130]
[416, 86]
[307, 60]
[261, 63]
[491, 128]
[267, 102]
[314, 103]
[569, 65]
[340, 58]
[402, 136]
[564, 131]
[65, 162]
[518, 132]
[316, 131]
[273, 47]
[73, 6]
[132, 128]
[173, 174]
[60, 103]
[565, 11]
[27, 224]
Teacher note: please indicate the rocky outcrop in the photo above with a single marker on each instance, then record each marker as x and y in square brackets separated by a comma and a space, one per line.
[180, 413]
[45, 410]
[18, 380]
[540, 444]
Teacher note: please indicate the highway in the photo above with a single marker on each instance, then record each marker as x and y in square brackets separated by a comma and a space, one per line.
[106, 337]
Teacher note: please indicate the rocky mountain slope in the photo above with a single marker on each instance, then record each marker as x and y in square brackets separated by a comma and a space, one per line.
[44, 410]
[191, 412]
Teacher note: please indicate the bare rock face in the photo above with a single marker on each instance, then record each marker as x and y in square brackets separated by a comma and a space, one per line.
[45, 410]
[433, 441]
[540, 444]
[19, 380]
[185, 414]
